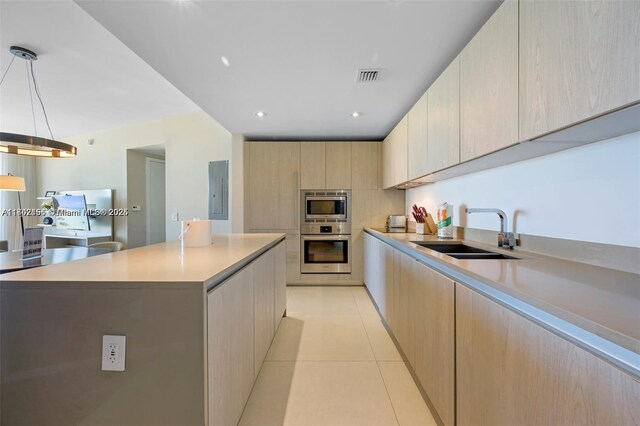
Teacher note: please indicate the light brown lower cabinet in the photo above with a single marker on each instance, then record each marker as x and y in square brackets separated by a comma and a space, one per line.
[280, 283]
[263, 306]
[424, 307]
[483, 364]
[433, 313]
[402, 326]
[378, 275]
[240, 328]
[230, 347]
[510, 371]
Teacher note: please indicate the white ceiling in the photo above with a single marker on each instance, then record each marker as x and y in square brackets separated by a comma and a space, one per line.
[89, 80]
[295, 60]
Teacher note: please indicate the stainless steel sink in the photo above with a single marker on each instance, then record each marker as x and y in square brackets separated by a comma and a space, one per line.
[487, 256]
[463, 251]
[450, 248]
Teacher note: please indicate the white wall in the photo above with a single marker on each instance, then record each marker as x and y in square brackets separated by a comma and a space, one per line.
[590, 193]
[191, 141]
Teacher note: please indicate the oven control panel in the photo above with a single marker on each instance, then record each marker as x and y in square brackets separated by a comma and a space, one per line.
[320, 228]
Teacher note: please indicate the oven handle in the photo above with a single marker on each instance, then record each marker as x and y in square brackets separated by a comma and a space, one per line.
[326, 198]
[326, 237]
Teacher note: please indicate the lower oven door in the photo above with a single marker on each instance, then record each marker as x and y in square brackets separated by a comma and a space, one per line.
[325, 254]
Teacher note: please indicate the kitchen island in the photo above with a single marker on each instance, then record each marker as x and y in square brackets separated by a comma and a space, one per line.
[198, 323]
[527, 340]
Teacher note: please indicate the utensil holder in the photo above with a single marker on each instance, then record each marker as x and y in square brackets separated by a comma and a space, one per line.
[421, 229]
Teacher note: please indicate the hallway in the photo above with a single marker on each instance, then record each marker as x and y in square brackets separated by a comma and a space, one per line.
[332, 362]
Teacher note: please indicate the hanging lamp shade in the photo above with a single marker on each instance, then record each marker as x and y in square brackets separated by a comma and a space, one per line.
[12, 183]
[14, 143]
[32, 145]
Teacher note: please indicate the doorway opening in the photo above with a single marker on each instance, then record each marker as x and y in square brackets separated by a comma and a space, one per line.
[146, 189]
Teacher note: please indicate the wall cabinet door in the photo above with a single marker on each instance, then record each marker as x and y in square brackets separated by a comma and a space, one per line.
[230, 347]
[432, 310]
[417, 133]
[489, 85]
[274, 189]
[312, 165]
[511, 371]
[280, 283]
[443, 122]
[263, 305]
[578, 59]
[338, 157]
[394, 156]
[365, 165]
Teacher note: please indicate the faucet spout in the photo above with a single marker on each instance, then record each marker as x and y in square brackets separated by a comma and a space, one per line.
[505, 238]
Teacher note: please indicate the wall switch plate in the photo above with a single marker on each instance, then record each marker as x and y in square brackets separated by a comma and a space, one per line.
[174, 216]
[113, 352]
[136, 208]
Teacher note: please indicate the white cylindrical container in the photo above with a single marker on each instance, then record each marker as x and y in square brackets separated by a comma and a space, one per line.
[445, 221]
[195, 233]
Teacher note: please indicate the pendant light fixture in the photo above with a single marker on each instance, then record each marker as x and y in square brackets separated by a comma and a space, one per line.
[32, 145]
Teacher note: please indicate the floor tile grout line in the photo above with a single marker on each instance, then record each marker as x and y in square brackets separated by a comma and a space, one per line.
[386, 389]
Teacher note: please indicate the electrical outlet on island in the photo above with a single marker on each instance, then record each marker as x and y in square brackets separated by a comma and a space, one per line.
[113, 352]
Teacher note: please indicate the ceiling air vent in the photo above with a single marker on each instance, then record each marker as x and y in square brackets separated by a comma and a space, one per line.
[367, 75]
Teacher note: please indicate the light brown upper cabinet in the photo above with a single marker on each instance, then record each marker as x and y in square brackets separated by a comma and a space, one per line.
[578, 59]
[338, 157]
[325, 165]
[365, 170]
[417, 139]
[443, 122]
[489, 85]
[274, 186]
[394, 156]
[312, 162]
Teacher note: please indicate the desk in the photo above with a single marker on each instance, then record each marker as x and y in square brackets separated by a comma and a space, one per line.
[80, 239]
[12, 261]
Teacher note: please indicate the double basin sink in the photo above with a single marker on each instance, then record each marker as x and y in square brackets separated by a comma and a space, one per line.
[463, 251]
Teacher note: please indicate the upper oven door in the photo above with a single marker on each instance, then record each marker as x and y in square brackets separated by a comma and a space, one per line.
[325, 207]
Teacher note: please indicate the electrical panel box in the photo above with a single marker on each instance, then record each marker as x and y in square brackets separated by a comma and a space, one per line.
[219, 190]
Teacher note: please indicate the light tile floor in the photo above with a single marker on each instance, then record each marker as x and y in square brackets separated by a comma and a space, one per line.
[332, 362]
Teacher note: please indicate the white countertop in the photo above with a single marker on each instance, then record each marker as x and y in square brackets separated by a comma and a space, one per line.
[158, 263]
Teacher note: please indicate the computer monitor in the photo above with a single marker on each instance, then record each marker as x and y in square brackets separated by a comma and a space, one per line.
[71, 212]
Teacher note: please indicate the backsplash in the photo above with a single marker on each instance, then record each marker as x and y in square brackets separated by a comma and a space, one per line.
[590, 193]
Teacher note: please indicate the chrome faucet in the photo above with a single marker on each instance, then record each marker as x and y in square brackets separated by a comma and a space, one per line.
[505, 239]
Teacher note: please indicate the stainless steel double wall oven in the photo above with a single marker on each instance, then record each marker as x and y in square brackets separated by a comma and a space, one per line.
[325, 231]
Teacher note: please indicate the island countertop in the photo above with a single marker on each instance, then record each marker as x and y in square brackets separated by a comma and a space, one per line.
[594, 307]
[158, 263]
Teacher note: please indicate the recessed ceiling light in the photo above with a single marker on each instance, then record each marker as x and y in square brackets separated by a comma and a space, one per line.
[224, 60]
[355, 114]
[261, 114]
